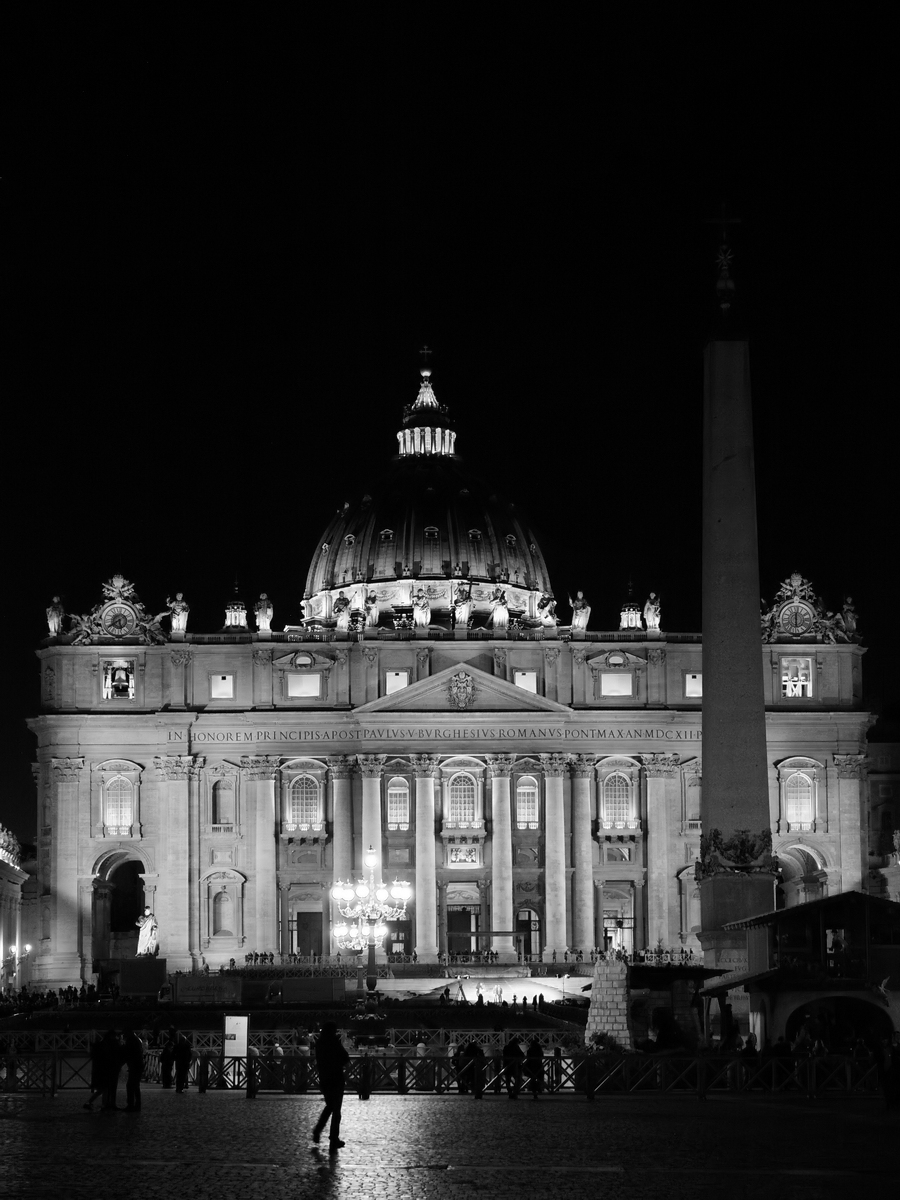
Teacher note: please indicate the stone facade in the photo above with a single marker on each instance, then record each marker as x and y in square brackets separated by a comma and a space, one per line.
[608, 1012]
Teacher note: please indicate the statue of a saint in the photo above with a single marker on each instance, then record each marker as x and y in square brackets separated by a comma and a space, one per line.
[371, 606]
[651, 611]
[546, 607]
[581, 610]
[55, 614]
[341, 610]
[178, 610]
[421, 610]
[263, 609]
[462, 606]
[148, 938]
[499, 609]
[849, 613]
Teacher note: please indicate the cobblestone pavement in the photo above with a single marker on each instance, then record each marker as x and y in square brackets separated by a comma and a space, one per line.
[446, 1147]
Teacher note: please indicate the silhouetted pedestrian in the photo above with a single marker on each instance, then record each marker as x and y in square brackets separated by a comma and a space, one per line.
[534, 1067]
[184, 1053]
[134, 1064]
[331, 1058]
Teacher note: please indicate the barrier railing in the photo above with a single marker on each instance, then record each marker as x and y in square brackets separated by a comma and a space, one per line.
[588, 1075]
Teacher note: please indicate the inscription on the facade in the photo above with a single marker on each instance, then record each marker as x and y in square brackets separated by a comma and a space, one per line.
[436, 733]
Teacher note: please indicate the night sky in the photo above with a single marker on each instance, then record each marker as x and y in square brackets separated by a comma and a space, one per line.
[237, 238]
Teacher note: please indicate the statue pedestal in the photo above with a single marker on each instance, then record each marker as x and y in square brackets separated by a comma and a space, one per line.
[370, 633]
[177, 635]
[264, 635]
[577, 635]
[549, 633]
[654, 633]
[460, 635]
[421, 632]
[141, 976]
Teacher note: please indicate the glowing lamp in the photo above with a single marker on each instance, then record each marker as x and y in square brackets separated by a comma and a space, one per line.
[362, 890]
[381, 893]
[370, 858]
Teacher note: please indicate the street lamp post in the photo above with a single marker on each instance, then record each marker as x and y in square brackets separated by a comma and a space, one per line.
[367, 905]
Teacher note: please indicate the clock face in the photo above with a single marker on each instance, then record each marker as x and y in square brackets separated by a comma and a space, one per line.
[796, 619]
[118, 620]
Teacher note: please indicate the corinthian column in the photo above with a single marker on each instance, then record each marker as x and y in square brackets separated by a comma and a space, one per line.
[260, 774]
[174, 921]
[554, 854]
[371, 766]
[425, 898]
[582, 768]
[658, 768]
[501, 855]
[339, 771]
[66, 957]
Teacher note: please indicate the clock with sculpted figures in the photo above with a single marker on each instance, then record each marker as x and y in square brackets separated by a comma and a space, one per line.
[796, 618]
[118, 619]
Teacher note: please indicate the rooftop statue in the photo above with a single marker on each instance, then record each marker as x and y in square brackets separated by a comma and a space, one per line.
[547, 610]
[462, 606]
[178, 611]
[263, 610]
[341, 611]
[55, 615]
[421, 610]
[372, 611]
[581, 611]
[651, 611]
[499, 609]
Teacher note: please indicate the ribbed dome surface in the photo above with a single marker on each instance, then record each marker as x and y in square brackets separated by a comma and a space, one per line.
[428, 519]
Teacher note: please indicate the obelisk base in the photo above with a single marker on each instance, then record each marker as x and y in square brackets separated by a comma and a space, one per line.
[731, 896]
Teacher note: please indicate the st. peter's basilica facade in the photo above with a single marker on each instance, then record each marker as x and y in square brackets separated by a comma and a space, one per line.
[537, 782]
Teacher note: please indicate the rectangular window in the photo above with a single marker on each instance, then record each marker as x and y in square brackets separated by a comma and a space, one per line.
[527, 680]
[796, 678]
[618, 853]
[304, 686]
[395, 681]
[616, 683]
[221, 687]
[693, 685]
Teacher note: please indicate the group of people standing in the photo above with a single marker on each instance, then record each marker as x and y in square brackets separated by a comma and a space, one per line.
[519, 1066]
[111, 1052]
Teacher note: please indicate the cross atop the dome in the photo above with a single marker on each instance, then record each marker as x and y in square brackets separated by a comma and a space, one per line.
[426, 353]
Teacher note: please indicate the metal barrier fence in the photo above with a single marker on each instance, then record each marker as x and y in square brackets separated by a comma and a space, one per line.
[588, 1075]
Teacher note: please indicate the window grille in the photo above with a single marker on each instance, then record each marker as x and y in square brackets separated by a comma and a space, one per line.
[462, 799]
[527, 803]
[119, 807]
[798, 794]
[304, 807]
[616, 799]
[398, 803]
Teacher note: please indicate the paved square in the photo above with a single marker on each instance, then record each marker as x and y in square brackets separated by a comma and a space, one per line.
[445, 1147]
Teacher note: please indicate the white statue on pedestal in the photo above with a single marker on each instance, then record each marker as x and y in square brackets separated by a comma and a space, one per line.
[499, 609]
[421, 610]
[372, 610]
[341, 610]
[263, 609]
[55, 614]
[581, 611]
[547, 610]
[651, 611]
[178, 611]
[148, 938]
[462, 606]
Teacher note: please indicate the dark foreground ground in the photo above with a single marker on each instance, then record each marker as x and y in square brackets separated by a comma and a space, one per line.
[445, 1147]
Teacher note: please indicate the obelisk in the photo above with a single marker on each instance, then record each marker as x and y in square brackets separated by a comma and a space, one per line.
[735, 873]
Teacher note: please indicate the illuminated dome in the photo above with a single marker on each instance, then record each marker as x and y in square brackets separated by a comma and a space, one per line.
[427, 526]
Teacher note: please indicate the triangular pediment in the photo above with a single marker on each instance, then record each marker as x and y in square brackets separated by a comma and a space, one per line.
[463, 689]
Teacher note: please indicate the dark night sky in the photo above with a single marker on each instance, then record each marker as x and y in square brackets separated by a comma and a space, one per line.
[238, 238]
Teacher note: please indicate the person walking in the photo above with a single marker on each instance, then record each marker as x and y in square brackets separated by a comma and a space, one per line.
[134, 1063]
[167, 1059]
[331, 1058]
[534, 1066]
[184, 1053]
[110, 1066]
[513, 1054]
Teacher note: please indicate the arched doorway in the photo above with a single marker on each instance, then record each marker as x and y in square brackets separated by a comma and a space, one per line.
[840, 1021]
[118, 900]
[528, 925]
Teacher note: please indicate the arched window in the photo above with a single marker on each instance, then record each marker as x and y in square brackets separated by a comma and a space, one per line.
[616, 799]
[119, 814]
[462, 799]
[398, 803]
[223, 802]
[304, 802]
[798, 798]
[527, 803]
[222, 922]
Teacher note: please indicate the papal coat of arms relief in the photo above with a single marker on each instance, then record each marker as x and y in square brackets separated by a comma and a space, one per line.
[461, 689]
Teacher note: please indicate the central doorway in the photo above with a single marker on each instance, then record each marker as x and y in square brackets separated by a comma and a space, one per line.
[308, 934]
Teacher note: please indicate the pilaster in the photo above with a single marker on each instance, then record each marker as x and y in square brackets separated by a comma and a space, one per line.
[426, 766]
[260, 773]
[658, 768]
[174, 921]
[554, 766]
[501, 855]
[371, 767]
[66, 961]
[582, 769]
[853, 820]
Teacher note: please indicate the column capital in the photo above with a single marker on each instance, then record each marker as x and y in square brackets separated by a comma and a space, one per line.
[659, 766]
[371, 765]
[173, 768]
[340, 767]
[426, 765]
[554, 765]
[500, 764]
[196, 767]
[261, 768]
[67, 769]
[850, 766]
[582, 765]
